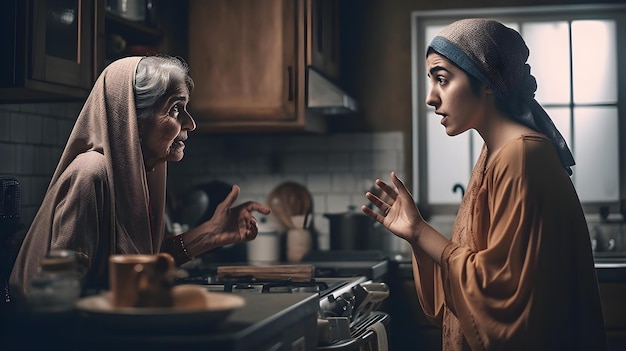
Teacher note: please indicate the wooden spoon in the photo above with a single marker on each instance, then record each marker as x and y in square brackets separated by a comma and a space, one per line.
[290, 199]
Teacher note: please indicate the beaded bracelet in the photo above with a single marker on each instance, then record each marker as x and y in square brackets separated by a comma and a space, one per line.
[175, 246]
[182, 245]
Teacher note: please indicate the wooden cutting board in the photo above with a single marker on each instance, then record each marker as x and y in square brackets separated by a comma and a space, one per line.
[295, 272]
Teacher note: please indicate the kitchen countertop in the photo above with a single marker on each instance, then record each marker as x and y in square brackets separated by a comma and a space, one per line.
[248, 328]
[609, 270]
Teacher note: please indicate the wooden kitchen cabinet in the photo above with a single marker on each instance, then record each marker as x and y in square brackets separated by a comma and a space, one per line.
[249, 60]
[163, 30]
[125, 38]
[48, 49]
[57, 48]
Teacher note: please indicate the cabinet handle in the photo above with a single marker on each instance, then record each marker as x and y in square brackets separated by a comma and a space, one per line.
[290, 77]
[320, 26]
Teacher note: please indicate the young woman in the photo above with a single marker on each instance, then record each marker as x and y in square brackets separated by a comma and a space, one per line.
[518, 271]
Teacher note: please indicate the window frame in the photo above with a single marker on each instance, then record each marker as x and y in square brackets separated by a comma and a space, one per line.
[419, 21]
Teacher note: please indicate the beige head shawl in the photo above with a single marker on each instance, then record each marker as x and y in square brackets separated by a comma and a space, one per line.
[496, 55]
[108, 124]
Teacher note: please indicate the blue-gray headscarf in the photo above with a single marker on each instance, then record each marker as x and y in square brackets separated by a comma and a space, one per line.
[496, 55]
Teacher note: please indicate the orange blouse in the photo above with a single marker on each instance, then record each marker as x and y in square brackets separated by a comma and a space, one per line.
[518, 273]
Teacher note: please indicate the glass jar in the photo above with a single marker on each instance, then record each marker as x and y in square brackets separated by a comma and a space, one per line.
[57, 286]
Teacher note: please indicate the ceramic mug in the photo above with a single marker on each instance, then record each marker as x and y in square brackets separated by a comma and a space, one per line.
[138, 280]
[298, 244]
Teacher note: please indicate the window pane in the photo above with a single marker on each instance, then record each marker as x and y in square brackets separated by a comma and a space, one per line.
[594, 61]
[595, 138]
[431, 31]
[549, 59]
[448, 162]
[560, 117]
[512, 25]
[477, 146]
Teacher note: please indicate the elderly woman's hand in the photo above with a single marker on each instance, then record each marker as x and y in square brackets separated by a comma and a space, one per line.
[236, 224]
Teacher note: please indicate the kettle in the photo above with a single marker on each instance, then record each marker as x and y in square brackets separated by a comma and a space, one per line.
[352, 230]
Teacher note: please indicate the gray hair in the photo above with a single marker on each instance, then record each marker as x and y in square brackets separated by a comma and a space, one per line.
[153, 78]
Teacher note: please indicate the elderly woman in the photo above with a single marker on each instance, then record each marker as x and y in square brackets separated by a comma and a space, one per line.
[107, 195]
[518, 271]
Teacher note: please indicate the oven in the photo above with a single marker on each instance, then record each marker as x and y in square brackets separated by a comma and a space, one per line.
[350, 319]
[349, 316]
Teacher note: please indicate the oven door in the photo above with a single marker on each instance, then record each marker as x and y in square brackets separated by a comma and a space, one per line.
[353, 318]
[367, 334]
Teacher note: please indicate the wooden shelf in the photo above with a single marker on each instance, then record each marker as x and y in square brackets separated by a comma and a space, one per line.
[133, 32]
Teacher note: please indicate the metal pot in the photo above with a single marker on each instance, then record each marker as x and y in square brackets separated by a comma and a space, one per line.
[352, 230]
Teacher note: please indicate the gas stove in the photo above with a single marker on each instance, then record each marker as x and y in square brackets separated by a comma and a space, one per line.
[348, 307]
[338, 296]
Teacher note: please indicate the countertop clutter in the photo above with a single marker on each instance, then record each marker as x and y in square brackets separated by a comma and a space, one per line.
[312, 308]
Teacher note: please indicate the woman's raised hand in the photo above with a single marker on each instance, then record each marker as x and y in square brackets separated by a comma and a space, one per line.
[236, 224]
[399, 212]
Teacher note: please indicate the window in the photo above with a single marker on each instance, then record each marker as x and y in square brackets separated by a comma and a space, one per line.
[574, 54]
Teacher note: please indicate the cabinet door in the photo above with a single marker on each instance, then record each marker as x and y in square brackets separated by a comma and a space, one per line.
[62, 42]
[323, 36]
[247, 60]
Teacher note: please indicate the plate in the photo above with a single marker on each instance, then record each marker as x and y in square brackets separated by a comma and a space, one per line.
[193, 306]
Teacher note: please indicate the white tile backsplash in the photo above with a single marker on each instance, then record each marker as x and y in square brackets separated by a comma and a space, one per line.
[19, 131]
[319, 182]
[351, 142]
[25, 160]
[50, 131]
[305, 162]
[35, 129]
[339, 161]
[336, 168]
[32, 137]
[337, 203]
[387, 141]
[5, 126]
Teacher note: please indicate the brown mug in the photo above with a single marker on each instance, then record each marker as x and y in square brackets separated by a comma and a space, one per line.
[139, 280]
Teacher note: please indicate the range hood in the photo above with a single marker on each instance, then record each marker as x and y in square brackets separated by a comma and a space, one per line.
[326, 97]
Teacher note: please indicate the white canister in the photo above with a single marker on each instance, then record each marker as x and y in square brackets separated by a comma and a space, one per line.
[265, 248]
[298, 244]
